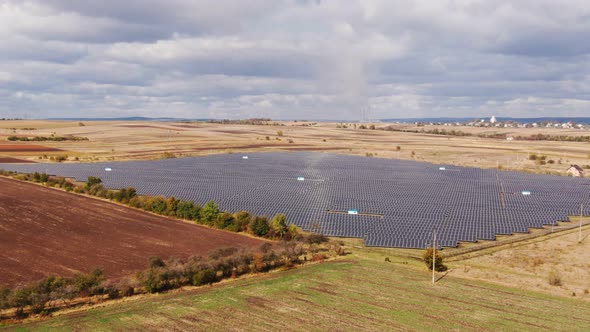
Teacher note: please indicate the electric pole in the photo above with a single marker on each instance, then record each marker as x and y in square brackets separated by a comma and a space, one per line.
[581, 214]
[433, 254]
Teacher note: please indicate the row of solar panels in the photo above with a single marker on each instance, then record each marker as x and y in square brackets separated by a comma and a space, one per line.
[412, 199]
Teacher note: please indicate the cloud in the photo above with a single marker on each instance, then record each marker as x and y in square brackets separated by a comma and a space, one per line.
[294, 59]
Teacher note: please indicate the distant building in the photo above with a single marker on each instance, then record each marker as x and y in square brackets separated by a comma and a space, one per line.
[576, 171]
[510, 138]
[493, 119]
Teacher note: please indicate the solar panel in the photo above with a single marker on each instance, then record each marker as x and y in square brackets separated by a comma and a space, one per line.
[389, 203]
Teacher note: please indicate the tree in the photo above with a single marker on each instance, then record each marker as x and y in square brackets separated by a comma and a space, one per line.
[92, 180]
[241, 221]
[184, 209]
[259, 226]
[224, 220]
[209, 212]
[427, 257]
[279, 225]
[171, 206]
[155, 204]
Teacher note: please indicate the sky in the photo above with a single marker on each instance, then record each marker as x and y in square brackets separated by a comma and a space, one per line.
[294, 59]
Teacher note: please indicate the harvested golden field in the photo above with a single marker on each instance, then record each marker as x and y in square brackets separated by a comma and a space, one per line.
[154, 140]
[556, 264]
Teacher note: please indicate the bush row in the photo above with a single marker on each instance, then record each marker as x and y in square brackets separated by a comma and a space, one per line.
[46, 138]
[53, 293]
[45, 295]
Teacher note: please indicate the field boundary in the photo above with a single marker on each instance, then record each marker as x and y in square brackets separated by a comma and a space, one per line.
[457, 254]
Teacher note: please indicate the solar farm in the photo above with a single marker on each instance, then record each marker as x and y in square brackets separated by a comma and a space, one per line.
[388, 203]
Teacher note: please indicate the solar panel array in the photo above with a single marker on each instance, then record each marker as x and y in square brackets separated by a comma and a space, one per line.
[399, 202]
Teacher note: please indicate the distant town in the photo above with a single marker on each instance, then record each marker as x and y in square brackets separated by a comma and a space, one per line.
[493, 122]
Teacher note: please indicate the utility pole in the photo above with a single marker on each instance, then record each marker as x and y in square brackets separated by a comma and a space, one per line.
[581, 214]
[433, 254]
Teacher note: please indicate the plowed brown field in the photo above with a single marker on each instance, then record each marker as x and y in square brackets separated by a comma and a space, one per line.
[9, 160]
[26, 148]
[49, 232]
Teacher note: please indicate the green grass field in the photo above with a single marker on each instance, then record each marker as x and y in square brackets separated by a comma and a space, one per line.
[361, 292]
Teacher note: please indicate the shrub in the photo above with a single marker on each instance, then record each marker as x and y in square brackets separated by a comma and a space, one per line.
[554, 278]
[112, 292]
[316, 239]
[203, 277]
[154, 280]
[61, 158]
[88, 283]
[156, 262]
[438, 265]
[279, 133]
[43, 178]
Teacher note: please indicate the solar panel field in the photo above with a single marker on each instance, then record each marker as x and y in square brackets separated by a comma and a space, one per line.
[399, 203]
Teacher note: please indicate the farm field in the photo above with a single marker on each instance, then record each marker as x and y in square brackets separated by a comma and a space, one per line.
[49, 232]
[360, 292]
[154, 140]
[529, 264]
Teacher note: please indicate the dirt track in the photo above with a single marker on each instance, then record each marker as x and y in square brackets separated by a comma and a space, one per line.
[49, 232]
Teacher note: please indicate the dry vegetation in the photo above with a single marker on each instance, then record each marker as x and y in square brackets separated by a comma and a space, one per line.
[556, 264]
[154, 140]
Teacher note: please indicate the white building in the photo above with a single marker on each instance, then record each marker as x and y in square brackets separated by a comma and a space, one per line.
[575, 171]
[493, 119]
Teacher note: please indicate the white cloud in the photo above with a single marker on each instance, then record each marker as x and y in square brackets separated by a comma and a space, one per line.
[294, 59]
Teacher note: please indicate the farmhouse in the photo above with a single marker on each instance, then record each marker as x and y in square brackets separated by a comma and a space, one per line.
[576, 171]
